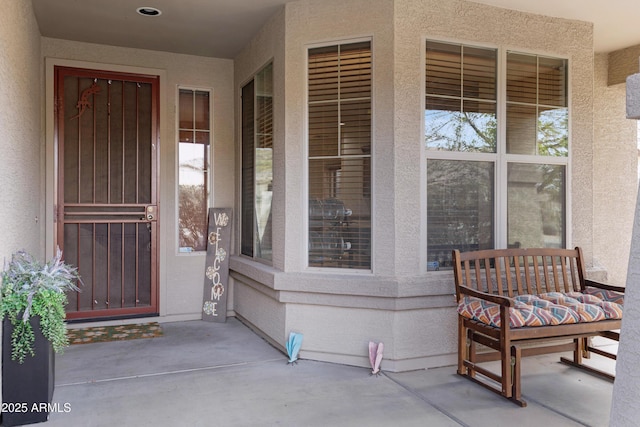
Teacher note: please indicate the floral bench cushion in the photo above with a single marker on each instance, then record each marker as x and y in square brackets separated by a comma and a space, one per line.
[552, 308]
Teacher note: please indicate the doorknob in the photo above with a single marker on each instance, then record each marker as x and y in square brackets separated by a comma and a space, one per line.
[151, 213]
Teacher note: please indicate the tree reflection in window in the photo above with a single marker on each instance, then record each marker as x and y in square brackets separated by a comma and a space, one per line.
[467, 134]
[193, 170]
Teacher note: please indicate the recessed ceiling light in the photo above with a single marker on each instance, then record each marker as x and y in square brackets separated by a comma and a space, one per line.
[149, 11]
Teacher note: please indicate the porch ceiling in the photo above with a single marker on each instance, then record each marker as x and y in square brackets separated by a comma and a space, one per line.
[220, 28]
[214, 28]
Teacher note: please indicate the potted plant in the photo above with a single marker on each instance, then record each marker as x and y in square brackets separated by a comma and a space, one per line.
[32, 306]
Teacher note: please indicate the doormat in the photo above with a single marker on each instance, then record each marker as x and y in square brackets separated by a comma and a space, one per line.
[114, 333]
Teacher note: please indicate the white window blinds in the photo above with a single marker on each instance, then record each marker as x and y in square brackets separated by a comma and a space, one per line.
[339, 148]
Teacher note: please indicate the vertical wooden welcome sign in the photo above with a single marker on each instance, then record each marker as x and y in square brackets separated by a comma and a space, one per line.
[216, 273]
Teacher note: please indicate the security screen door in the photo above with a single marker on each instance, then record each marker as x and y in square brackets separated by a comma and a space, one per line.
[107, 205]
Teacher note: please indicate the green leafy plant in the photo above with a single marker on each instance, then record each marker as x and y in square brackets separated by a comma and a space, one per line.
[30, 288]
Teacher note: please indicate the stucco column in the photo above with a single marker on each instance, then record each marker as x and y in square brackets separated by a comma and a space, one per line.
[625, 408]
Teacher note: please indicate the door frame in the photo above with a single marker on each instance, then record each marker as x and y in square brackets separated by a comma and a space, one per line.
[51, 154]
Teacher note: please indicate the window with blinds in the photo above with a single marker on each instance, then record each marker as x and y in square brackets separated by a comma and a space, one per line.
[248, 168]
[467, 139]
[460, 98]
[257, 165]
[537, 113]
[194, 121]
[339, 149]
[537, 129]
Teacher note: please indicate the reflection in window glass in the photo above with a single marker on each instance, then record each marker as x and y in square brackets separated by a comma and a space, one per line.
[461, 131]
[264, 162]
[339, 156]
[460, 100]
[537, 113]
[257, 165]
[193, 168]
[466, 135]
[459, 208]
[553, 131]
[536, 205]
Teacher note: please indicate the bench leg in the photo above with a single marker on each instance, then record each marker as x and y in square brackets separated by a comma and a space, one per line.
[505, 362]
[462, 347]
[516, 394]
[585, 348]
[578, 350]
[471, 356]
[507, 383]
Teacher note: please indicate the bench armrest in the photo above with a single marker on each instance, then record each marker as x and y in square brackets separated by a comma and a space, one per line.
[497, 299]
[604, 286]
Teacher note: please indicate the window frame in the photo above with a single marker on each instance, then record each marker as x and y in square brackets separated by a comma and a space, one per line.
[253, 79]
[369, 189]
[210, 172]
[501, 159]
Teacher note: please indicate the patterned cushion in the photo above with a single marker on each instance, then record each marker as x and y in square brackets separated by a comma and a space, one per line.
[611, 309]
[584, 298]
[535, 316]
[487, 312]
[564, 315]
[561, 313]
[526, 298]
[605, 295]
[587, 312]
[552, 308]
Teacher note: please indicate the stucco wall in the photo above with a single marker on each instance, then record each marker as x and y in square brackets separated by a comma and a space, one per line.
[398, 302]
[266, 46]
[21, 213]
[333, 21]
[625, 407]
[622, 63]
[181, 275]
[615, 169]
[285, 40]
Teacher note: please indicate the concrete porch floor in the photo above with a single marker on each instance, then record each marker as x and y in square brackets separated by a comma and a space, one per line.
[212, 374]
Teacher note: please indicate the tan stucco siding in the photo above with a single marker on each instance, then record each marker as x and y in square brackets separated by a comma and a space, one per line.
[267, 46]
[312, 23]
[622, 63]
[615, 175]
[21, 213]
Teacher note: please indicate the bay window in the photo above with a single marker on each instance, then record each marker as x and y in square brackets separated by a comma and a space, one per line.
[339, 156]
[497, 151]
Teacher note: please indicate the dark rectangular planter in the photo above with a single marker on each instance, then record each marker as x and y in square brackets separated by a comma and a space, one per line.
[27, 388]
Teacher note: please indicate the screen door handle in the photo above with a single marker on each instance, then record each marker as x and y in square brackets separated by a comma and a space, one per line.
[151, 212]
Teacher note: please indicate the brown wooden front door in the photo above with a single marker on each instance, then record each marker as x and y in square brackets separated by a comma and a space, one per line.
[107, 203]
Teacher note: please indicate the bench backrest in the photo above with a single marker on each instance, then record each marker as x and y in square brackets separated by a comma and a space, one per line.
[512, 272]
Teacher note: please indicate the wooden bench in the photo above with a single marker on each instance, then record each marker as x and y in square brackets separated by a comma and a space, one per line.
[501, 298]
